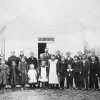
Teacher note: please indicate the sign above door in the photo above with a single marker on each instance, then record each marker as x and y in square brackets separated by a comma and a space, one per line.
[46, 39]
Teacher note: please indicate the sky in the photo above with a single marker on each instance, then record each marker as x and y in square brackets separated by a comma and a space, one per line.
[24, 18]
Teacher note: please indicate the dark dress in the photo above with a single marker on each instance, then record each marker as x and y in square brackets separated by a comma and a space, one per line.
[23, 69]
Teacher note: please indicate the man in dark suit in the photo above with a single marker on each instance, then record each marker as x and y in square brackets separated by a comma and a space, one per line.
[85, 69]
[92, 54]
[32, 60]
[93, 73]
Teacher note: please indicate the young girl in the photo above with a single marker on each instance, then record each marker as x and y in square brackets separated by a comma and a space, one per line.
[53, 78]
[43, 75]
[32, 75]
[69, 77]
[23, 68]
[4, 71]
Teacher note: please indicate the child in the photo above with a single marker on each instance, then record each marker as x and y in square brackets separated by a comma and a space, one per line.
[70, 77]
[32, 75]
[43, 75]
[23, 68]
[53, 77]
[61, 70]
[3, 75]
[13, 75]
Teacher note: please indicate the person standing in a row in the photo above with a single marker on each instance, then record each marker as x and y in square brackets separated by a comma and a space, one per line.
[77, 72]
[22, 56]
[85, 71]
[32, 60]
[61, 71]
[68, 59]
[23, 69]
[13, 61]
[4, 72]
[53, 77]
[94, 73]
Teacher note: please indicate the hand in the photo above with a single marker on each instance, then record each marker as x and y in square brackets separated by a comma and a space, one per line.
[58, 74]
[96, 74]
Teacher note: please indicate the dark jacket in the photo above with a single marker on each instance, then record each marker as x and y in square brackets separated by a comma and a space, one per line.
[85, 67]
[32, 60]
[94, 67]
[61, 67]
[11, 59]
[69, 61]
[76, 66]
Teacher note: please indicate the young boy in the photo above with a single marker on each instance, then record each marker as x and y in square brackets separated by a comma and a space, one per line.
[70, 77]
[4, 71]
[61, 70]
[13, 75]
[23, 68]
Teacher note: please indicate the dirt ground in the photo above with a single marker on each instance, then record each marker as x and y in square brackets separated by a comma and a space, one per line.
[50, 94]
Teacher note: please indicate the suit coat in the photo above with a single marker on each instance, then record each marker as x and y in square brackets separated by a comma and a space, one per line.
[94, 67]
[76, 66]
[69, 61]
[85, 66]
[61, 67]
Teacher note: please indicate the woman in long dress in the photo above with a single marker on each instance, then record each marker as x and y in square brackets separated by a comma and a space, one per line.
[53, 77]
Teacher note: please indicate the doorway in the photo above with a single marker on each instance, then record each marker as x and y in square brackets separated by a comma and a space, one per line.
[41, 48]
